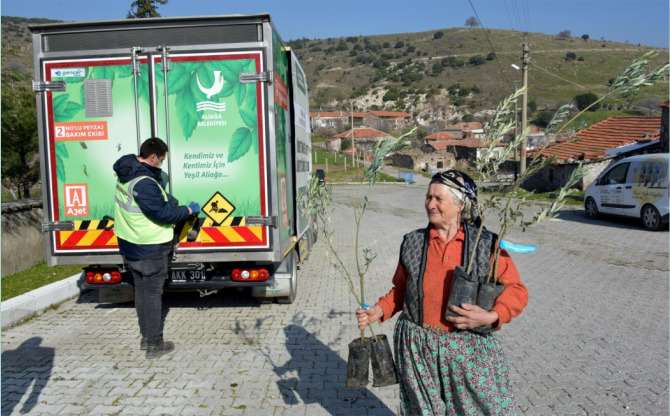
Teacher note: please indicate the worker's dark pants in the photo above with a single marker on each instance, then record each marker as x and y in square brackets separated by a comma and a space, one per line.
[149, 278]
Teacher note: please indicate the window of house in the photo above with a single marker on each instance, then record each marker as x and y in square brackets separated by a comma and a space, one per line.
[440, 165]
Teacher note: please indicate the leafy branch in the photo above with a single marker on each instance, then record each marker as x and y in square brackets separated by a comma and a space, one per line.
[317, 202]
[627, 83]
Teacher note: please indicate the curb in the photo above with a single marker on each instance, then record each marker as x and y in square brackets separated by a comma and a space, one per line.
[15, 310]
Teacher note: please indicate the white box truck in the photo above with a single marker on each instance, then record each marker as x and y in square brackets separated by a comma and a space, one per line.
[231, 101]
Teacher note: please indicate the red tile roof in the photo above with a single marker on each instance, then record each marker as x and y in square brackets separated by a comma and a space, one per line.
[358, 115]
[325, 114]
[472, 125]
[362, 133]
[605, 135]
[440, 136]
[390, 114]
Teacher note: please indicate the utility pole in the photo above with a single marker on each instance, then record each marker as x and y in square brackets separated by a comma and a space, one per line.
[524, 106]
[353, 136]
[516, 134]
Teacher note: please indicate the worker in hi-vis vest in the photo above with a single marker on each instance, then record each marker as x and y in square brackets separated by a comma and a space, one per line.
[143, 223]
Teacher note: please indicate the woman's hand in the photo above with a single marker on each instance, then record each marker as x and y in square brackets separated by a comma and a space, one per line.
[368, 316]
[472, 316]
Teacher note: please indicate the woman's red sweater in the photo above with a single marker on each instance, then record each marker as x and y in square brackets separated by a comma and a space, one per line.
[441, 261]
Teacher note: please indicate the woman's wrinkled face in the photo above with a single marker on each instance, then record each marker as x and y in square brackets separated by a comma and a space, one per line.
[441, 208]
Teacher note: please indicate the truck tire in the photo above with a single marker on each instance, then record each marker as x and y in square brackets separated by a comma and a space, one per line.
[287, 300]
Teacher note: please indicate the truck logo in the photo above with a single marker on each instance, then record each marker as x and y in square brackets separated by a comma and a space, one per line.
[69, 73]
[76, 200]
[209, 92]
[216, 88]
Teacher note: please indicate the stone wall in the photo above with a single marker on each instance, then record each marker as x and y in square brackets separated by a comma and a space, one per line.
[23, 244]
[553, 177]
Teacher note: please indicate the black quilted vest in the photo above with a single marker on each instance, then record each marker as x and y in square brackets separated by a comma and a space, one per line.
[413, 253]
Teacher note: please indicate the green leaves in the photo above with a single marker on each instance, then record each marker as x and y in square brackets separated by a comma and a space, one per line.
[65, 110]
[61, 153]
[239, 144]
[103, 72]
[188, 116]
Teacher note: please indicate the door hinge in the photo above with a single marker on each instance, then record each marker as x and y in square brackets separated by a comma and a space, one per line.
[250, 77]
[259, 220]
[57, 226]
[43, 86]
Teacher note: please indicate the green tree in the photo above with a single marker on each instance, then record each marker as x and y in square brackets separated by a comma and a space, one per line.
[585, 100]
[438, 35]
[585, 37]
[140, 9]
[437, 68]
[477, 60]
[543, 118]
[399, 44]
[532, 106]
[386, 45]
[491, 56]
[467, 118]
[20, 167]
[342, 46]
[570, 56]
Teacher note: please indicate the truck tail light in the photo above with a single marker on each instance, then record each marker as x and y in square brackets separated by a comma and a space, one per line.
[249, 275]
[103, 276]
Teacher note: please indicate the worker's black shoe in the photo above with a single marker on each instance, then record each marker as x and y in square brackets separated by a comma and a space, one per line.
[143, 343]
[156, 349]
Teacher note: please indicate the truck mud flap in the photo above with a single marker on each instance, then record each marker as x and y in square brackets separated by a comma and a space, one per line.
[282, 287]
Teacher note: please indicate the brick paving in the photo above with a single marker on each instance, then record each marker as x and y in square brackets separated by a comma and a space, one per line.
[593, 339]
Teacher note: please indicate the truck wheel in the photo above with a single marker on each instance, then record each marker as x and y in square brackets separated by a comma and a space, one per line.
[591, 208]
[293, 291]
[651, 218]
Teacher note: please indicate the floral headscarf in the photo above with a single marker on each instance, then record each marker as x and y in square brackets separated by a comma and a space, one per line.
[464, 188]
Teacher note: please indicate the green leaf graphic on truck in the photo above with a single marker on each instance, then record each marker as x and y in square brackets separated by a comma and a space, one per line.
[198, 82]
[64, 110]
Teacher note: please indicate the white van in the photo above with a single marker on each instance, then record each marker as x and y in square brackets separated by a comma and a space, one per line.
[636, 186]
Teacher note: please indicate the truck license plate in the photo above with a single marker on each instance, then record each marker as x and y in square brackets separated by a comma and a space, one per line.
[188, 276]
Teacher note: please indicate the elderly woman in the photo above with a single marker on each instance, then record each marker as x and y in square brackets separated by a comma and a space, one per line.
[444, 368]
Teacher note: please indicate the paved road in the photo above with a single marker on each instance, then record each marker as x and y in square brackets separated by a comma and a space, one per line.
[593, 339]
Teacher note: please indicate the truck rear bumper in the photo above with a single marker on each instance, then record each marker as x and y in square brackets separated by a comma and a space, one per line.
[211, 284]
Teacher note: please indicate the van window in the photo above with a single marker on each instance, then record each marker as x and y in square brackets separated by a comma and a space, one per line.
[616, 175]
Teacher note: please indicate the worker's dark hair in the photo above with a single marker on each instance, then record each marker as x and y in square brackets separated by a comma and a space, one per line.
[151, 146]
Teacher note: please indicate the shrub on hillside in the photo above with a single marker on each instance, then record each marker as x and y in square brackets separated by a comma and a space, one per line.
[477, 60]
[585, 100]
[438, 35]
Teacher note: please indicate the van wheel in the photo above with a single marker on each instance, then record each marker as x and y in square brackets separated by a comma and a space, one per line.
[591, 208]
[651, 218]
[293, 291]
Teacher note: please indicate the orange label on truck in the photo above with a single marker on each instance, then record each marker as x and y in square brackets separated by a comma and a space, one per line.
[76, 200]
[281, 95]
[82, 130]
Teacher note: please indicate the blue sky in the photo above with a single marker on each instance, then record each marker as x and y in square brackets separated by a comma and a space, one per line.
[638, 21]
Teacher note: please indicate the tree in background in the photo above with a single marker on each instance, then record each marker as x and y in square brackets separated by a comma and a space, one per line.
[543, 118]
[439, 34]
[141, 9]
[472, 22]
[20, 161]
[477, 60]
[437, 68]
[585, 37]
[565, 34]
[491, 56]
[570, 56]
[585, 100]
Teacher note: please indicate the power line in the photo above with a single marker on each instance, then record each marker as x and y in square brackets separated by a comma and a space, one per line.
[508, 17]
[490, 44]
[516, 12]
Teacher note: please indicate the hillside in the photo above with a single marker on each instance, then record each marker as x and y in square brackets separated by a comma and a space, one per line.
[403, 71]
[417, 65]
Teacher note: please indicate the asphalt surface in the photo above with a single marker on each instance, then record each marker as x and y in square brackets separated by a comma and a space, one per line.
[593, 339]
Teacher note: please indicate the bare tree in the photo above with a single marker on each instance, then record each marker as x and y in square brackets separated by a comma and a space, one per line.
[472, 21]
[565, 34]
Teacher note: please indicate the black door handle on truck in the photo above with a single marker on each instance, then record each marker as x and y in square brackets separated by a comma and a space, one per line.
[629, 187]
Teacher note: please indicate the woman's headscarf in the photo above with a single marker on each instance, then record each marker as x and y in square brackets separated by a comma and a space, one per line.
[463, 187]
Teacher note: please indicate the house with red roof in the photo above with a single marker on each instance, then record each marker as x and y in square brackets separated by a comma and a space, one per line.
[440, 135]
[365, 139]
[596, 146]
[471, 130]
[395, 119]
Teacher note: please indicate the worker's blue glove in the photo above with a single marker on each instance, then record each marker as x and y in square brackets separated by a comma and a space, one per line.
[195, 207]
